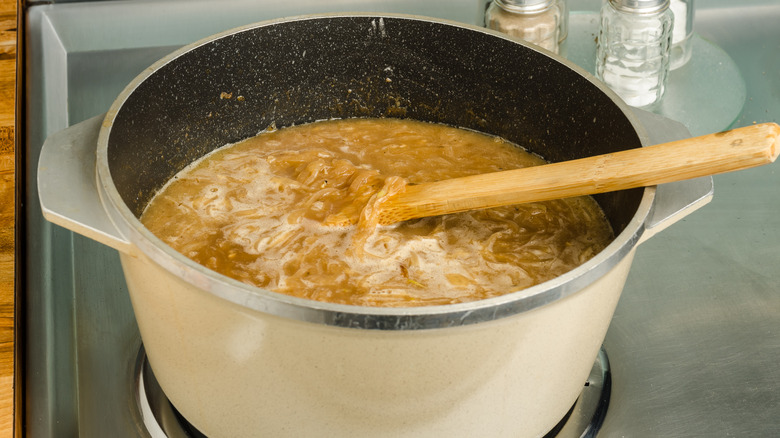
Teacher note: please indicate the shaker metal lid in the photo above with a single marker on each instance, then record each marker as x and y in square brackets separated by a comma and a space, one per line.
[525, 6]
[640, 6]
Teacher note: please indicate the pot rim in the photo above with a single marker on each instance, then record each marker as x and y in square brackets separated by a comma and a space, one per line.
[352, 316]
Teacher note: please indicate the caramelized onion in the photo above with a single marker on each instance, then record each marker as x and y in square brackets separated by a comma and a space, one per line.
[278, 211]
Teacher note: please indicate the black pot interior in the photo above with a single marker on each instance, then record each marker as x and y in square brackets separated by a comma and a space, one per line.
[301, 71]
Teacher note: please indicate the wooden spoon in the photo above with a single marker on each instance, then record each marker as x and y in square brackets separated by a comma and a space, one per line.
[710, 154]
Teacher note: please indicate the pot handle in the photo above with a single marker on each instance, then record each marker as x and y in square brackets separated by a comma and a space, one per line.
[67, 185]
[673, 201]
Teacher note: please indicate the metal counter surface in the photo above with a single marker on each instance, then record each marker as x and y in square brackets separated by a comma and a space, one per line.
[694, 345]
[695, 342]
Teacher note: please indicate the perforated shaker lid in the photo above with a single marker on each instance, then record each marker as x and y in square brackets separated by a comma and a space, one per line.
[525, 6]
[640, 6]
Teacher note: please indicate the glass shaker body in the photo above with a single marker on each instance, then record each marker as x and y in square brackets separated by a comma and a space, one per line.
[633, 50]
[541, 22]
[682, 33]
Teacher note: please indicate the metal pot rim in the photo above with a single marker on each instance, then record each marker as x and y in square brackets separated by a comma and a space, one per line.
[407, 318]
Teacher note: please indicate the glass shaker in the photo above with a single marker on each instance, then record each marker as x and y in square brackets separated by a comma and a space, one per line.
[541, 22]
[633, 50]
[682, 32]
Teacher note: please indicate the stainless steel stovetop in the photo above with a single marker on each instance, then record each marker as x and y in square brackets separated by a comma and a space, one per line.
[694, 347]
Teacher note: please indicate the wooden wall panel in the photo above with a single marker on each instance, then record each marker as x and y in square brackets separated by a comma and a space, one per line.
[8, 32]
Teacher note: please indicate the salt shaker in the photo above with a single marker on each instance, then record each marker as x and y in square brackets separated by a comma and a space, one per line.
[541, 22]
[633, 50]
[682, 32]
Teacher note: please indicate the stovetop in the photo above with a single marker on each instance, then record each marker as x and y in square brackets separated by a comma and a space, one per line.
[694, 345]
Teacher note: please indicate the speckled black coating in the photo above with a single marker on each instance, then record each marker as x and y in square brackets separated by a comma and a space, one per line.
[304, 70]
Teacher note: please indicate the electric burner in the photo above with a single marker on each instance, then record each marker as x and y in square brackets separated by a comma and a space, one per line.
[583, 420]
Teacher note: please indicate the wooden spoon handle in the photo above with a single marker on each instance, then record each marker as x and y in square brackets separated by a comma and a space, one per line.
[710, 154]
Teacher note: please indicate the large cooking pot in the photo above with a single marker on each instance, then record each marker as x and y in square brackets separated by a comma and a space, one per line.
[236, 360]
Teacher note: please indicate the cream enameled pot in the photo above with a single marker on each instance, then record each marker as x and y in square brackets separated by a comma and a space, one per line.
[236, 360]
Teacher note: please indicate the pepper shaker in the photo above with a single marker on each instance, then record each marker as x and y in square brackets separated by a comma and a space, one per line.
[633, 50]
[541, 22]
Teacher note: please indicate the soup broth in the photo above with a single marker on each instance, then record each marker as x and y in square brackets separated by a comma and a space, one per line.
[269, 211]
